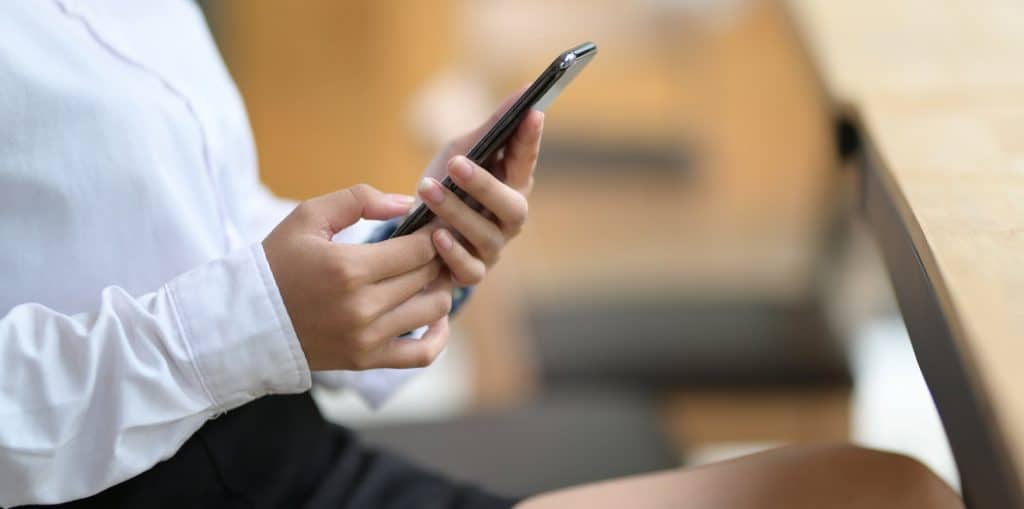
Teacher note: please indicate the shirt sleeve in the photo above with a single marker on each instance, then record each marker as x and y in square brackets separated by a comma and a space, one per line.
[92, 399]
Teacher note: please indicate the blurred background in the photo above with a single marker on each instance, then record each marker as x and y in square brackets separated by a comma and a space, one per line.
[693, 283]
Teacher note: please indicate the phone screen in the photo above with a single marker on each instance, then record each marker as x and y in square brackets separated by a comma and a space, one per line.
[539, 96]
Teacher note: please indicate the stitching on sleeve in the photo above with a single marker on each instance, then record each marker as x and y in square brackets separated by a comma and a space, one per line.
[186, 339]
[270, 289]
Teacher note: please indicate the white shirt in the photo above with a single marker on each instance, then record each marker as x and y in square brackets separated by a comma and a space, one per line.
[135, 296]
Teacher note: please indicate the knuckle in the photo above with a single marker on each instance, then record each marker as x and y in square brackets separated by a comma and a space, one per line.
[494, 258]
[339, 271]
[481, 183]
[362, 190]
[491, 247]
[512, 231]
[473, 274]
[425, 357]
[438, 346]
[519, 211]
[365, 341]
[424, 249]
[476, 275]
[361, 313]
[349, 196]
[348, 274]
[430, 352]
[470, 279]
[442, 304]
[422, 358]
[433, 270]
[487, 188]
[360, 363]
[304, 210]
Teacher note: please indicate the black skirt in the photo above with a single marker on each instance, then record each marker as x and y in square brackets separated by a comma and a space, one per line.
[279, 451]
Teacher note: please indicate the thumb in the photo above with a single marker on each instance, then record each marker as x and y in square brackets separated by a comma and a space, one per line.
[342, 208]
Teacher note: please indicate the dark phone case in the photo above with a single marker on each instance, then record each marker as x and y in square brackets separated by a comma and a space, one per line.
[540, 94]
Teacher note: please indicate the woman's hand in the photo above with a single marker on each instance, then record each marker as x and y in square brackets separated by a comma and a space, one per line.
[350, 302]
[470, 242]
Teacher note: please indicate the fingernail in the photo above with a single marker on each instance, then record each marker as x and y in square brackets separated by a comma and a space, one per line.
[431, 190]
[403, 199]
[444, 240]
[461, 167]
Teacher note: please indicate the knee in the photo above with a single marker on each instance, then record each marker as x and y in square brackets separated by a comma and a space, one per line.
[889, 479]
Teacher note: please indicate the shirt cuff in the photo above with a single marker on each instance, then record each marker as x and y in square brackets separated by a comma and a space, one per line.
[237, 330]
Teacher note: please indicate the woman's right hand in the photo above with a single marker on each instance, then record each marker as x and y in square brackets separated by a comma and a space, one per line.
[350, 302]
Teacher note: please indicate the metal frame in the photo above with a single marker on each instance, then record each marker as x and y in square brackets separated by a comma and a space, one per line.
[987, 474]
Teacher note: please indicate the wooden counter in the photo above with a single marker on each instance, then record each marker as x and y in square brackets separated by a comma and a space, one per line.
[936, 91]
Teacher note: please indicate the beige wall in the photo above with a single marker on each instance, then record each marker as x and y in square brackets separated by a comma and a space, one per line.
[327, 87]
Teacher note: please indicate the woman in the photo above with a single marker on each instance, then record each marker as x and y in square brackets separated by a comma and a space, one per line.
[161, 332]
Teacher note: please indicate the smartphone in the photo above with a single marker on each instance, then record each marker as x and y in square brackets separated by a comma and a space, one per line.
[539, 96]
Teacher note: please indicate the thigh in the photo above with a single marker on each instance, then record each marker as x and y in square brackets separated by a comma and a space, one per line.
[278, 451]
[363, 476]
[283, 453]
[263, 454]
[841, 476]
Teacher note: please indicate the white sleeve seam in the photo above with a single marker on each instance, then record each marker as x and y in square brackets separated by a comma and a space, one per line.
[270, 287]
[180, 321]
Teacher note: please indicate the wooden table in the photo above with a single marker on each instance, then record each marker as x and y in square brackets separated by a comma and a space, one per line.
[936, 93]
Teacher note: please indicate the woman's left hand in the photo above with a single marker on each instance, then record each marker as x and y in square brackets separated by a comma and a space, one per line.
[470, 242]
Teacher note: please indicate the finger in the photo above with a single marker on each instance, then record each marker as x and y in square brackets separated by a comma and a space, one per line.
[522, 150]
[340, 209]
[467, 269]
[417, 353]
[392, 292]
[423, 308]
[508, 205]
[486, 238]
[392, 257]
[463, 143]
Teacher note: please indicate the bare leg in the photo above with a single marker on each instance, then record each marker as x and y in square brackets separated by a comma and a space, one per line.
[814, 477]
